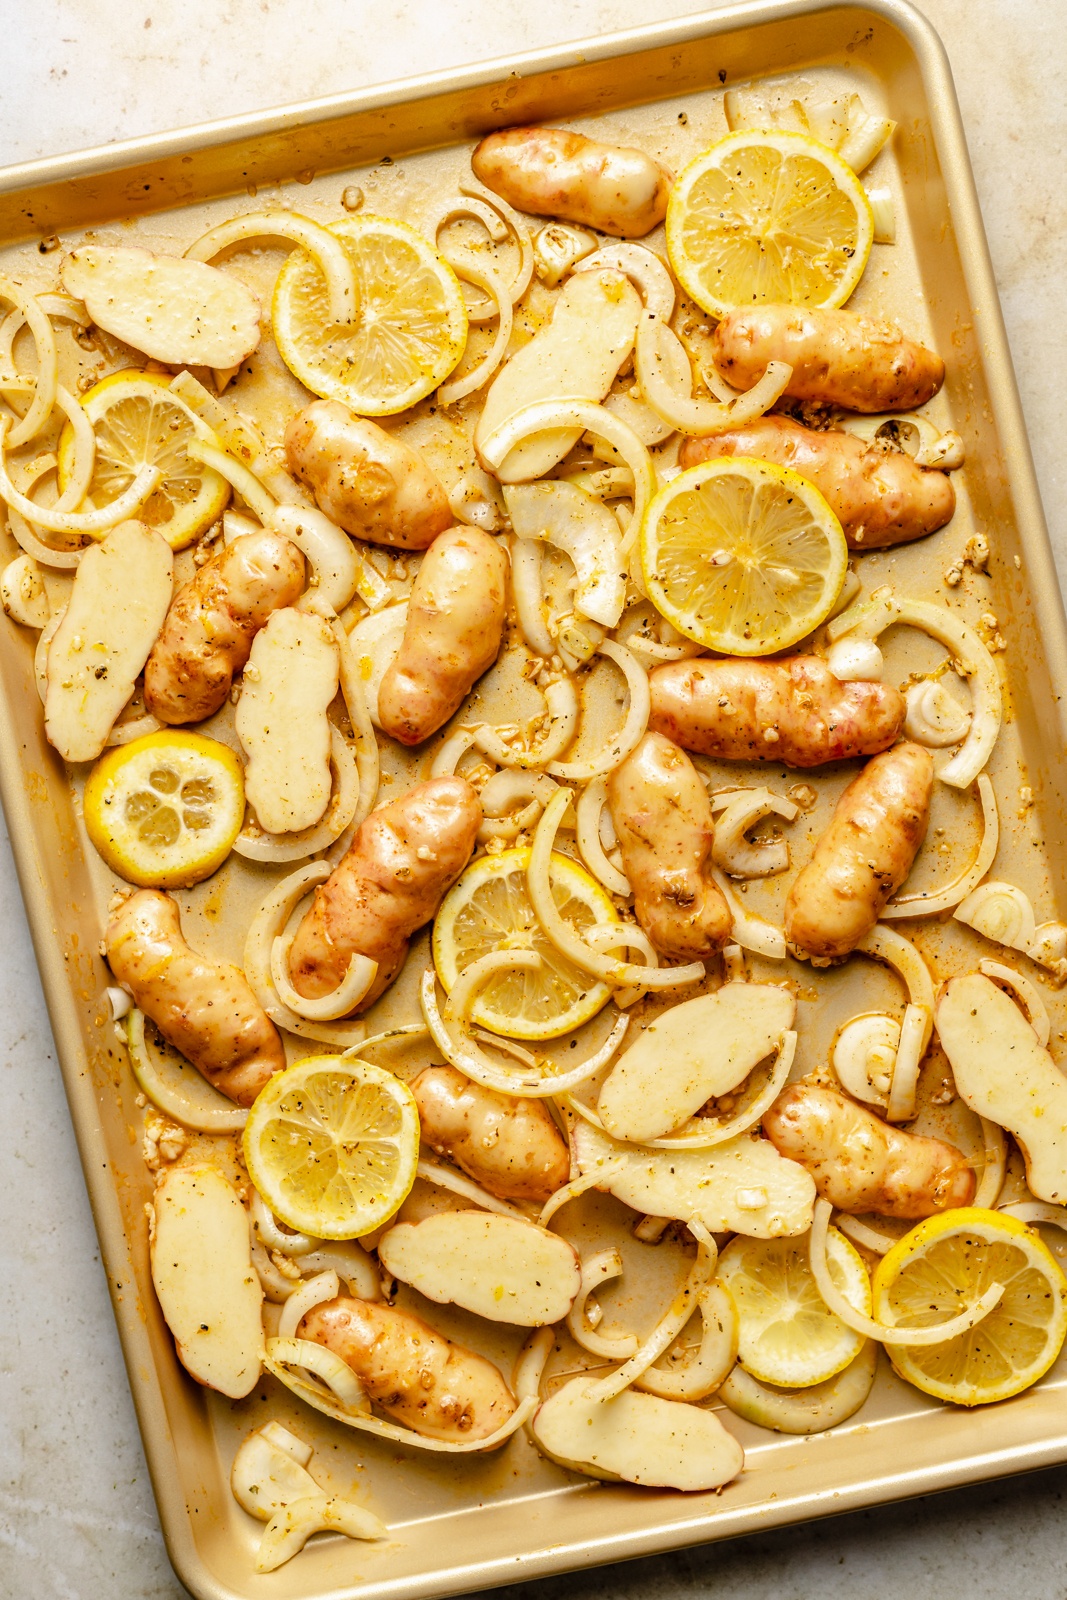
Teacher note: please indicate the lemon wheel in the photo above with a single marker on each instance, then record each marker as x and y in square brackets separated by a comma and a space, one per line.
[332, 1145]
[489, 909]
[410, 330]
[768, 216]
[139, 422]
[787, 1335]
[742, 556]
[163, 811]
[945, 1265]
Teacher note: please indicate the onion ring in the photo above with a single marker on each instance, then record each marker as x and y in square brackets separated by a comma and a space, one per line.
[44, 338]
[929, 903]
[458, 388]
[1025, 992]
[324, 248]
[368, 760]
[696, 1376]
[593, 799]
[268, 922]
[353, 987]
[629, 736]
[680, 410]
[311, 1293]
[91, 522]
[340, 812]
[456, 1183]
[561, 699]
[582, 1323]
[645, 270]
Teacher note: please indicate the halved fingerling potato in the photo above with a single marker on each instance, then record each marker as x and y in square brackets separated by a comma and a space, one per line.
[638, 1438]
[499, 1267]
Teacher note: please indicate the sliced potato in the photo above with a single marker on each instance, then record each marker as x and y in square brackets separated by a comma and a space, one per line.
[281, 720]
[207, 1287]
[22, 593]
[696, 1050]
[637, 1438]
[1004, 1074]
[500, 1268]
[578, 355]
[120, 597]
[182, 312]
[742, 1186]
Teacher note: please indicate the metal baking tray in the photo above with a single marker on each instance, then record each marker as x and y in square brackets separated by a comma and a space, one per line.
[470, 1523]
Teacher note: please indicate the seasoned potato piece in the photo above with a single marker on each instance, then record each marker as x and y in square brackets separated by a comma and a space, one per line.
[554, 173]
[120, 596]
[281, 720]
[388, 884]
[837, 357]
[510, 1146]
[452, 635]
[880, 497]
[204, 1009]
[861, 1163]
[372, 485]
[422, 1379]
[501, 1268]
[663, 819]
[865, 854]
[637, 1438]
[794, 711]
[202, 1270]
[210, 627]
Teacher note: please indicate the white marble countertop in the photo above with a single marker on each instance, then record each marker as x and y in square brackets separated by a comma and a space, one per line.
[77, 1520]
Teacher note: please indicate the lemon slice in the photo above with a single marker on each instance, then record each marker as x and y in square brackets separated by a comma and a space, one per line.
[943, 1266]
[410, 330]
[768, 216]
[138, 422]
[786, 1334]
[489, 909]
[742, 556]
[163, 811]
[332, 1145]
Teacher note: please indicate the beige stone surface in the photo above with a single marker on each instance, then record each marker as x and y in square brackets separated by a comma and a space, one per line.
[77, 1521]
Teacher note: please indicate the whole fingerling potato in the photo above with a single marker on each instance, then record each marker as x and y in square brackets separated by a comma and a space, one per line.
[553, 173]
[510, 1146]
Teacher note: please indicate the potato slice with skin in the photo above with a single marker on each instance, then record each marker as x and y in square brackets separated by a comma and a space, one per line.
[289, 682]
[742, 1186]
[498, 1267]
[202, 1269]
[120, 597]
[698, 1049]
[1004, 1074]
[637, 1438]
[175, 310]
[578, 355]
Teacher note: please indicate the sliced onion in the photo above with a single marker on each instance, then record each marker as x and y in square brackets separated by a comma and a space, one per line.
[604, 483]
[994, 1165]
[373, 644]
[864, 1053]
[353, 987]
[368, 761]
[577, 1186]
[739, 856]
[352, 1265]
[306, 1354]
[545, 415]
[519, 232]
[324, 248]
[557, 247]
[619, 974]
[858, 661]
[126, 732]
[643, 268]
[187, 1097]
[527, 591]
[563, 515]
[47, 381]
[886, 1333]
[237, 475]
[625, 742]
[884, 609]
[879, 1244]
[311, 1293]
[697, 1375]
[669, 1326]
[45, 554]
[276, 1286]
[119, 1002]
[1026, 992]
[330, 552]
[81, 473]
[806, 1411]
[40, 654]
[477, 501]
[933, 717]
[530, 1364]
[561, 699]
[340, 812]
[911, 433]
[456, 1183]
[624, 936]
[928, 903]
[915, 1031]
[281, 1358]
[268, 923]
[475, 1064]
[1036, 1211]
[451, 753]
[582, 1322]
[510, 788]
[495, 287]
[91, 522]
[678, 407]
[593, 799]
[883, 214]
[749, 931]
[885, 944]
[265, 1227]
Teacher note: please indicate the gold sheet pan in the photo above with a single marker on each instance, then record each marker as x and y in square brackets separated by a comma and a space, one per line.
[478, 1522]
